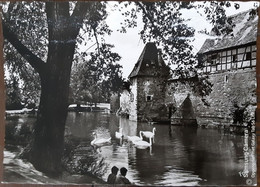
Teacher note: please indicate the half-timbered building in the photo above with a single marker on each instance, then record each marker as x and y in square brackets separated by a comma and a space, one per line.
[233, 51]
[230, 63]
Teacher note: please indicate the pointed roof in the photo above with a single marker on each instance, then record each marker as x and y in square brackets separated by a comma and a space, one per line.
[149, 59]
[244, 32]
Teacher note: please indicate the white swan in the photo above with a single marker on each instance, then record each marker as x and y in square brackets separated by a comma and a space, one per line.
[142, 144]
[149, 134]
[135, 138]
[119, 134]
[100, 141]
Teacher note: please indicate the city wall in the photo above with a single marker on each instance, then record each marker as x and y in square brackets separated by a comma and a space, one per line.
[233, 97]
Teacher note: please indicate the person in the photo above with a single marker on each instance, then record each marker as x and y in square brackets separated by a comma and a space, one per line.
[121, 179]
[112, 176]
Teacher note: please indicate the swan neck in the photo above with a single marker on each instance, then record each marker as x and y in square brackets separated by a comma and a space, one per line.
[140, 134]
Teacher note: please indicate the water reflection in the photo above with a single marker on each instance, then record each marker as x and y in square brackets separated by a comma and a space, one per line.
[179, 156]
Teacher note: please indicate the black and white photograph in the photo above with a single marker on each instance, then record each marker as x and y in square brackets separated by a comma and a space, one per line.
[159, 93]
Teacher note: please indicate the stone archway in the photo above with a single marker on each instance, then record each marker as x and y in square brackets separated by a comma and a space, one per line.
[188, 116]
[184, 114]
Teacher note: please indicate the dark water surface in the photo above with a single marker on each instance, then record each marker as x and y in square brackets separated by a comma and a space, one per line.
[179, 155]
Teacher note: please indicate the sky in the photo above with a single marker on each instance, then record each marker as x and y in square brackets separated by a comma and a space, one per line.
[129, 46]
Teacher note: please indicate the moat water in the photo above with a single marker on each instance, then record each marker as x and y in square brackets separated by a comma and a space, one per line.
[179, 156]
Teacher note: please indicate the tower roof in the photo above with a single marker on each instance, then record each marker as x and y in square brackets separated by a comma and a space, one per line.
[149, 61]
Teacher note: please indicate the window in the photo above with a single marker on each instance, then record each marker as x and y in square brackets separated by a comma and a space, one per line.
[214, 56]
[214, 59]
[248, 56]
[209, 59]
[226, 79]
[149, 98]
[234, 58]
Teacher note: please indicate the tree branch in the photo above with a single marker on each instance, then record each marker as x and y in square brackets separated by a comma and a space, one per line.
[80, 12]
[151, 20]
[95, 34]
[81, 9]
[37, 63]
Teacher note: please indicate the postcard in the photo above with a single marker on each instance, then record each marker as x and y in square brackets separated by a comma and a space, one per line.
[129, 93]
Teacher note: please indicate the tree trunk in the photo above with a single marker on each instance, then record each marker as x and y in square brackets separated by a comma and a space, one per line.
[48, 142]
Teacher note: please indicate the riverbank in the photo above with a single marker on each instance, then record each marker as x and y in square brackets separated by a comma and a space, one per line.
[17, 170]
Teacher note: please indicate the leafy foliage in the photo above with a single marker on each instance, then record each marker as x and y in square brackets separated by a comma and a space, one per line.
[28, 82]
[35, 38]
[93, 79]
[14, 99]
[29, 19]
[84, 163]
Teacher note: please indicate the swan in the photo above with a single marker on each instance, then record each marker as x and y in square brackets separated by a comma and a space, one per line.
[142, 144]
[119, 134]
[100, 141]
[135, 138]
[149, 134]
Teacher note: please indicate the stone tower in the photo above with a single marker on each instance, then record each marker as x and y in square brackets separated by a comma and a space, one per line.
[148, 83]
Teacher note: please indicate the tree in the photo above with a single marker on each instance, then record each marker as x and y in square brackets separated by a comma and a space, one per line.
[62, 29]
[92, 80]
[17, 71]
[46, 36]
[13, 99]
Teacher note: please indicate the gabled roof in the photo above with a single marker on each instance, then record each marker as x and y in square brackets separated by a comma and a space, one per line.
[149, 59]
[244, 32]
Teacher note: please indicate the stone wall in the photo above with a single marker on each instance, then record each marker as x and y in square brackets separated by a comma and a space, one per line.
[151, 99]
[231, 92]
